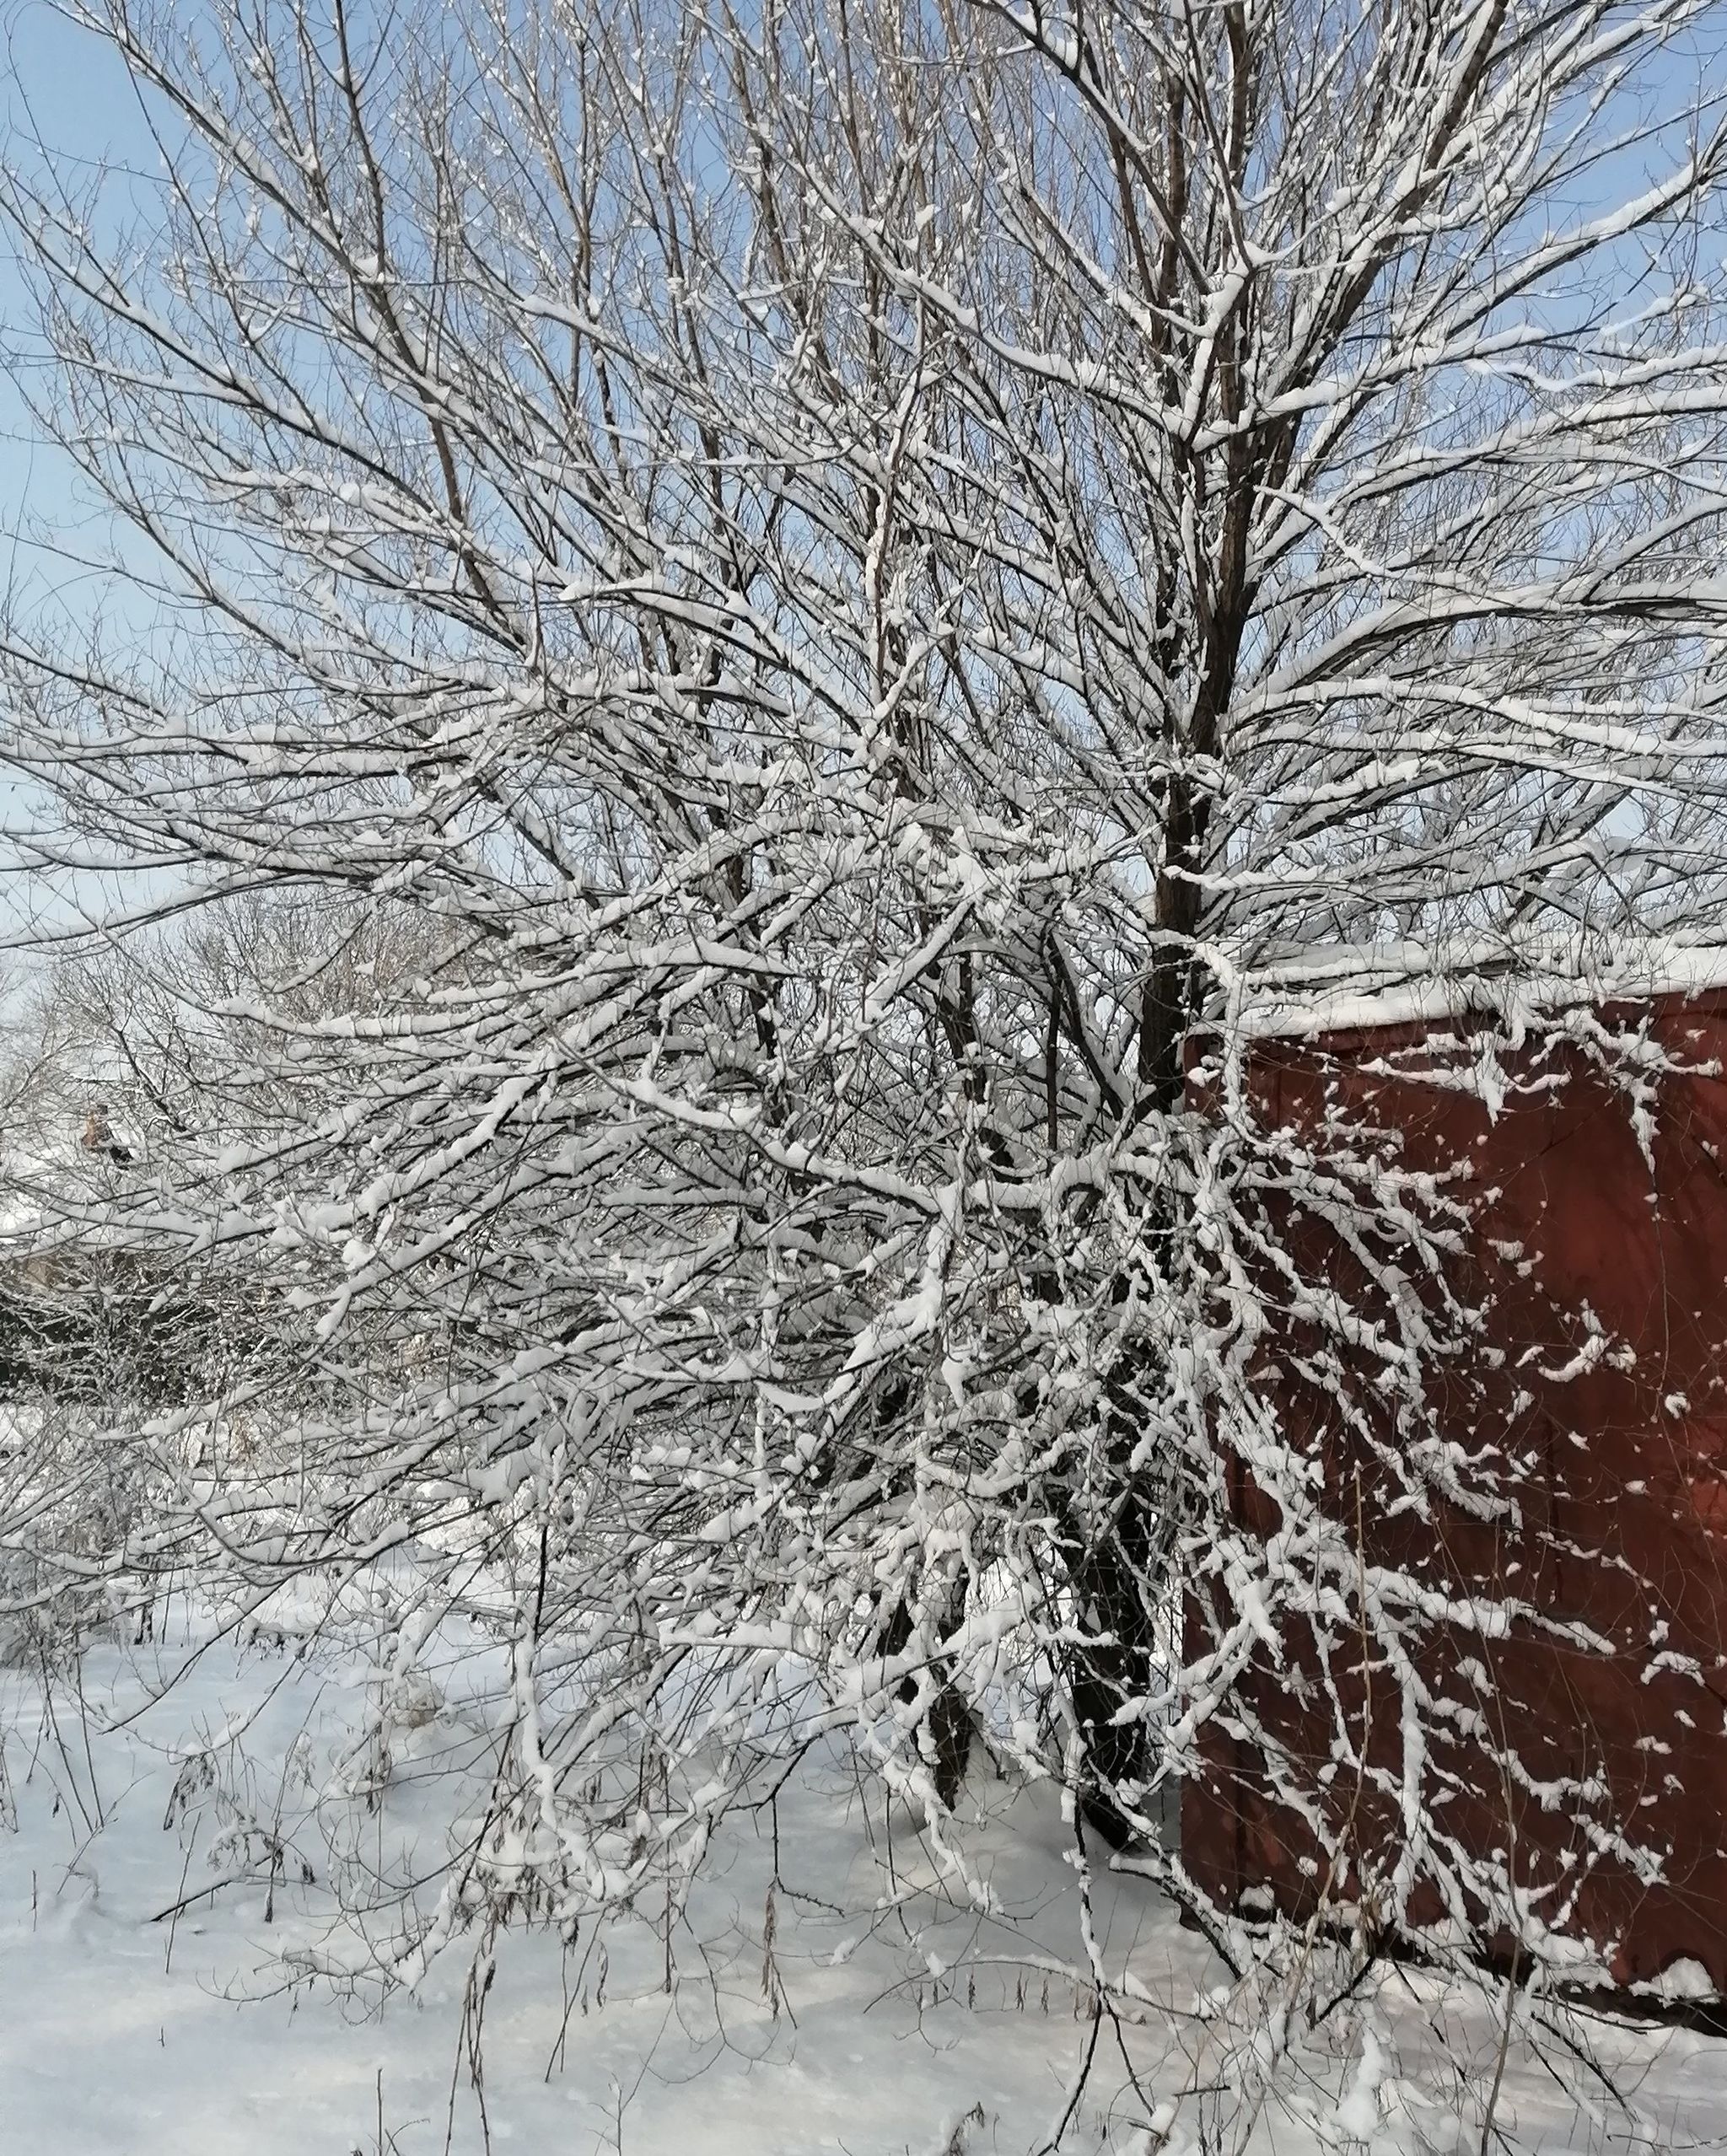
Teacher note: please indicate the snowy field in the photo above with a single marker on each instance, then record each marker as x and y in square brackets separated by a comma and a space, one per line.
[824, 1996]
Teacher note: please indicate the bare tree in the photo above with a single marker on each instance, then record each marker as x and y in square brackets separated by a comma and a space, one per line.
[885, 582]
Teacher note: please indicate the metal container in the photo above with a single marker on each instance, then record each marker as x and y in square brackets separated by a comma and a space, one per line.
[1623, 1527]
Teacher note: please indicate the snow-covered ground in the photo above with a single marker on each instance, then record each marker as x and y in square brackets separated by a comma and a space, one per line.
[827, 1997]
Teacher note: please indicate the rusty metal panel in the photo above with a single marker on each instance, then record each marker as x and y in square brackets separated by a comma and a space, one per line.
[1624, 1522]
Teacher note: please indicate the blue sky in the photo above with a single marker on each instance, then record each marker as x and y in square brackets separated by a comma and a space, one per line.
[65, 87]
[65, 90]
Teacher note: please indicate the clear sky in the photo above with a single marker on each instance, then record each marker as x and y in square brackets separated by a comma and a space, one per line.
[66, 103]
[64, 88]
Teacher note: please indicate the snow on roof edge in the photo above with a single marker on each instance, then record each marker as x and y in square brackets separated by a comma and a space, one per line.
[1410, 984]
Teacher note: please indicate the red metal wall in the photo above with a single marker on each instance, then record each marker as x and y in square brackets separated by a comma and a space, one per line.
[1626, 1513]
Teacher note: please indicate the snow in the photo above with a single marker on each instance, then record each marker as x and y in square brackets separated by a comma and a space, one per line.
[848, 2005]
[1346, 989]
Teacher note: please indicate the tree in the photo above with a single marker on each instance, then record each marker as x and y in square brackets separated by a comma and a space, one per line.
[884, 587]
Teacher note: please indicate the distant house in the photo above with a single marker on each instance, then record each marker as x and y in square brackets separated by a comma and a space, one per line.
[85, 1314]
[1624, 1514]
[98, 1138]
